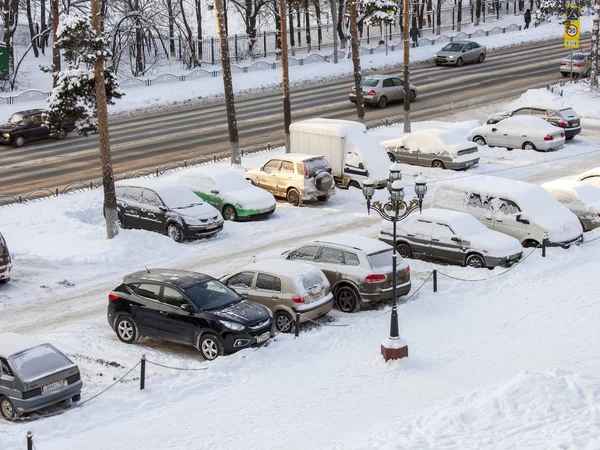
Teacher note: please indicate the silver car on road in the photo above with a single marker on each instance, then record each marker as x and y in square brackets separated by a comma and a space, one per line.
[382, 89]
[460, 52]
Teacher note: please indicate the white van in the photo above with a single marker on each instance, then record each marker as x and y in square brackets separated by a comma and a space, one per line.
[523, 210]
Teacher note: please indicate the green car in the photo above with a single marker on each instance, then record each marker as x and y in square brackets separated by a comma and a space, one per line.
[228, 191]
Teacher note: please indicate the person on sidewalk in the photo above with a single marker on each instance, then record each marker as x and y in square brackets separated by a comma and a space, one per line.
[527, 17]
[415, 34]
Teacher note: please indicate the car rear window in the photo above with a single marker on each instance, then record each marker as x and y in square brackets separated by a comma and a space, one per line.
[38, 362]
[310, 279]
[380, 260]
[316, 165]
[371, 82]
[568, 113]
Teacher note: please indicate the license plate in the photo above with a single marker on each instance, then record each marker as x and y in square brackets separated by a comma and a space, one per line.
[263, 337]
[576, 123]
[54, 385]
[470, 163]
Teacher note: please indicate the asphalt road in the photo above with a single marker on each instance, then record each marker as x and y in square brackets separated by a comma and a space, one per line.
[152, 140]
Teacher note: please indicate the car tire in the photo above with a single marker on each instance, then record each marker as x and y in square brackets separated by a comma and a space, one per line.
[404, 250]
[481, 58]
[284, 322]
[413, 96]
[7, 409]
[210, 346]
[530, 243]
[479, 140]
[392, 157]
[19, 141]
[121, 221]
[437, 63]
[382, 103]
[528, 146]
[229, 213]
[565, 74]
[323, 198]
[437, 164]
[293, 197]
[62, 133]
[5, 280]
[76, 398]
[347, 299]
[475, 260]
[323, 181]
[175, 232]
[459, 62]
[126, 329]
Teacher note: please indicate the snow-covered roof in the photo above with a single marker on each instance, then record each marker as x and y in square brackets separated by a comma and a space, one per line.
[225, 179]
[297, 157]
[441, 215]
[282, 267]
[11, 343]
[595, 172]
[541, 98]
[528, 122]
[173, 194]
[574, 189]
[332, 127]
[432, 141]
[361, 243]
[487, 184]
[155, 184]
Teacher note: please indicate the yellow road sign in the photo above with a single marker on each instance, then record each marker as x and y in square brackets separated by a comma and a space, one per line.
[572, 26]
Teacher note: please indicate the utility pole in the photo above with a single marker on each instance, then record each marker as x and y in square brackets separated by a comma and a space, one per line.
[335, 34]
[55, 49]
[285, 82]
[108, 182]
[595, 37]
[406, 71]
[360, 106]
[228, 85]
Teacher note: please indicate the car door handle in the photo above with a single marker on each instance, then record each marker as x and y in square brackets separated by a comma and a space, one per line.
[435, 240]
[488, 218]
[498, 220]
[411, 235]
[164, 313]
[275, 297]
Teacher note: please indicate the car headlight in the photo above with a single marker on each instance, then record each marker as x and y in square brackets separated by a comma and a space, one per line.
[6, 135]
[451, 56]
[435, 55]
[232, 325]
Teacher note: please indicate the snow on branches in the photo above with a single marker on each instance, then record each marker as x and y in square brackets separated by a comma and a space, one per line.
[376, 12]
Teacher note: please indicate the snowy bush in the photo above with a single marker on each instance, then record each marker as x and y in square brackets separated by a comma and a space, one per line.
[376, 12]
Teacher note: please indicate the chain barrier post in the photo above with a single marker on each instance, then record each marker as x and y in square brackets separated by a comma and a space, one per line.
[143, 372]
[544, 243]
[297, 332]
[29, 440]
[435, 280]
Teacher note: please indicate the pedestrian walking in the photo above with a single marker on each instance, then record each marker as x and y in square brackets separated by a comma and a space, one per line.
[415, 34]
[527, 17]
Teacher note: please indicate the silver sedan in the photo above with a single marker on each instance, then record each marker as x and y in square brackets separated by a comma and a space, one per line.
[460, 52]
[382, 89]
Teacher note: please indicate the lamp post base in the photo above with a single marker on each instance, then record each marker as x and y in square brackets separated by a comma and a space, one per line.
[394, 349]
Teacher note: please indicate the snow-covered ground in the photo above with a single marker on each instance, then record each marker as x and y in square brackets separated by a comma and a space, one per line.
[499, 363]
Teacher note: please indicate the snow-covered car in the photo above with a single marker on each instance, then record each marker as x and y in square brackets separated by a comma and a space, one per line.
[433, 147]
[34, 375]
[228, 191]
[522, 210]
[5, 261]
[452, 236]
[286, 288]
[591, 177]
[583, 200]
[167, 208]
[557, 115]
[358, 268]
[526, 132]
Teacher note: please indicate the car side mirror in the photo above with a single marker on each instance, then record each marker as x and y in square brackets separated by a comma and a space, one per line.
[464, 50]
[262, 169]
[522, 218]
[361, 166]
[187, 308]
[455, 239]
[494, 129]
[163, 208]
[244, 295]
[214, 191]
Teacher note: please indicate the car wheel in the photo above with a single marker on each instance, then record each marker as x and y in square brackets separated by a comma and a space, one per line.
[7, 409]
[354, 184]
[459, 62]
[404, 250]
[175, 232]
[481, 58]
[284, 322]
[293, 197]
[121, 221]
[531, 243]
[392, 157]
[19, 141]
[475, 261]
[323, 198]
[437, 164]
[76, 398]
[413, 96]
[528, 146]
[229, 213]
[5, 280]
[437, 63]
[210, 346]
[126, 329]
[62, 133]
[479, 140]
[347, 299]
[323, 181]
[382, 101]
[251, 182]
[564, 74]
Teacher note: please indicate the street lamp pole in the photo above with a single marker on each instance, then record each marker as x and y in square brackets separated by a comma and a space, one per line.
[395, 210]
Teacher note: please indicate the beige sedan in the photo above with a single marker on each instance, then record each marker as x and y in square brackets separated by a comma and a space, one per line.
[285, 287]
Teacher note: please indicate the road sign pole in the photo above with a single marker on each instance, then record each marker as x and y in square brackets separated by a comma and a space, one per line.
[571, 64]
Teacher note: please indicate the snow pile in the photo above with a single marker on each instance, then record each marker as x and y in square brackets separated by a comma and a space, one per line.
[542, 98]
[374, 157]
[431, 141]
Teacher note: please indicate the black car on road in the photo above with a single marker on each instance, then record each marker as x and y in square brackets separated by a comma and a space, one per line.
[25, 126]
[187, 307]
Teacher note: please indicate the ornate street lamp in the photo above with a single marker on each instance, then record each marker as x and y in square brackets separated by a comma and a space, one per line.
[395, 210]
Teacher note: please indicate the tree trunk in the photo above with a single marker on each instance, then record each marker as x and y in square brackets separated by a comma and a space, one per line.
[10, 15]
[32, 32]
[595, 36]
[477, 12]
[429, 9]
[406, 74]
[360, 107]
[307, 25]
[340, 25]
[108, 182]
[291, 22]
[193, 60]
[140, 67]
[459, 16]
[199, 28]
[438, 19]
[299, 24]
[55, 49]
[278, 16]
[319, 21]
[228, 85]
[285, 82]
[43, 40]
[171, 20]
[250, 14]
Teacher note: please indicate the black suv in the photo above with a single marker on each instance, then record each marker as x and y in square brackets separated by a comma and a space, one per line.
[188, 307]
[27, 126]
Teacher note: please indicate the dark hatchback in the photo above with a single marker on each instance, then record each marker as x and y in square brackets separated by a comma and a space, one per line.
[5, 261]
[25, 126]
[187, 307]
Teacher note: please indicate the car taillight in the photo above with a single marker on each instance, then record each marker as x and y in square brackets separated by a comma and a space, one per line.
[562, 134]
[297, 299]
[407, 271]
[578, 64]
[351, 89]
[371, 92]
[562, 64]
[549, 137]
[375, 278]
[113, 297]
[329, 169]
[562, 123]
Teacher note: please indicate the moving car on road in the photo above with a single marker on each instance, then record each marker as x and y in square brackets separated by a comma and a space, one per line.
[454, 237]
[580, 65]
[459, 53]
[188, 307]
[228, 191]
[25, 126]
[380, 90]
[581, 199]
[5, 261]
[167, 208]
[34, 375]
[286, 288]
[565, 118]
[526, 132]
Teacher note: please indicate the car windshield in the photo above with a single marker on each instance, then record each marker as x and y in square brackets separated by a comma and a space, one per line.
[228, 182]
[16, 118]
[211, 294]
[179, 198]
[316, 165]
[39, 361]
[371, 82]
[453, 48]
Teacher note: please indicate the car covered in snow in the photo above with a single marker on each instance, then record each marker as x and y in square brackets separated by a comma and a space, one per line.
[591, 177]
[34, 375]
[562, 117]
[5, 261]
[25, 126]
[286, 288]
[526, 132]
[453, 237]
[228, 191]
[522, 210]
[359, 269]
[581, 199]
[433, 147]
[187, 307]
[167, 208]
